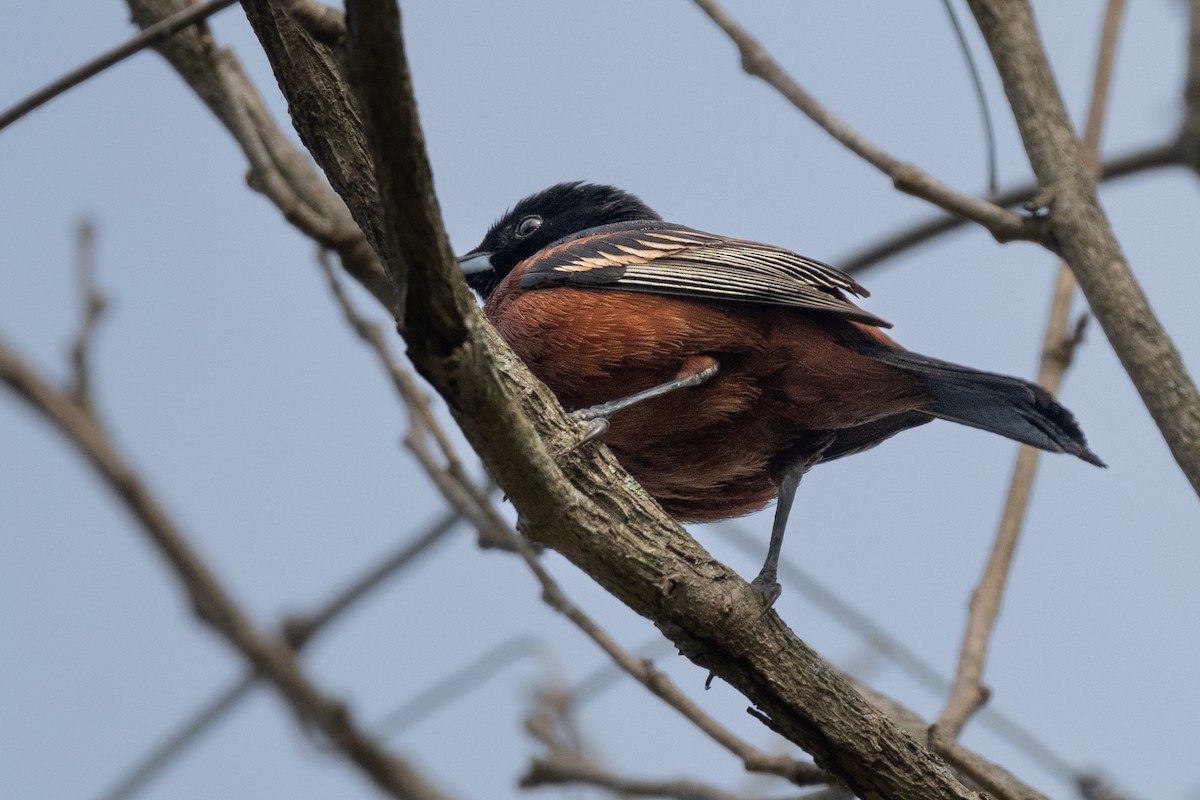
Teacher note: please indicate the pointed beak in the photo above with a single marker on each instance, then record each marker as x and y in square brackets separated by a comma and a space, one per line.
[475, 262]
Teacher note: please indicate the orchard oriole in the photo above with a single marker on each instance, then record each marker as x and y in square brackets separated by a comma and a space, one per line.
[718, 370]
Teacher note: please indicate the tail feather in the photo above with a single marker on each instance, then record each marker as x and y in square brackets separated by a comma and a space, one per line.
[1001, 404]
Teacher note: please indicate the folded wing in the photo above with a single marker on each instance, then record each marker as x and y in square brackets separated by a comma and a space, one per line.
[666, 259]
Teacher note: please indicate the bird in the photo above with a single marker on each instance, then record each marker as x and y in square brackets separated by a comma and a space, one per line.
[718, 370]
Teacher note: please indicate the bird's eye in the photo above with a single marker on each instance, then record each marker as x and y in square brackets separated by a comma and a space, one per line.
[528, 225]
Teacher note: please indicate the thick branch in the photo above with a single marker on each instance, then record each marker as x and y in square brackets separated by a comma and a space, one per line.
[1083, 232]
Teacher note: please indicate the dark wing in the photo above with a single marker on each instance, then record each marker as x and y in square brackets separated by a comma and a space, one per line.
[667, 259]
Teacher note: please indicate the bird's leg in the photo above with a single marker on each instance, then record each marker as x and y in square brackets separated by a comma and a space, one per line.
[598, 416]
[767, 582]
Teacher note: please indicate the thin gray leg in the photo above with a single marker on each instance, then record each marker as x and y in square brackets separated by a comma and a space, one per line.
[598, 416]
[767, 583]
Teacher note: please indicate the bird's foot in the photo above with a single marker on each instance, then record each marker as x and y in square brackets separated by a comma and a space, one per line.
[594, 422]
[766, 585]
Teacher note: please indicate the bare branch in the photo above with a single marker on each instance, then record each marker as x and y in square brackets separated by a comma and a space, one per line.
[271, 658]
[169, 26]
[1058, 347]
[1086, 239]
[1167, 154]
[449, 477]
[299, 630]
[989, 129]
[187, 734]
[561, 771]
[642, 670]
[908, 178]
[455, 685]
[896, 651]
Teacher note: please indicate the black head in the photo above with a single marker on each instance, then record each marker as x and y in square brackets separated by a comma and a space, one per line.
[540, 219]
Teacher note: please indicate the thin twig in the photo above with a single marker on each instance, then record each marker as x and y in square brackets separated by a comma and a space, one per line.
[566, 772]
[989, 130]
[165, 752]
[297, 631]
[448, 474]
[456, 685]
[643, 671]
[147, 38]
[264, 176]
[552, 722]
[756, 61]
[1167, 154]
[92, 306]
[969, 693]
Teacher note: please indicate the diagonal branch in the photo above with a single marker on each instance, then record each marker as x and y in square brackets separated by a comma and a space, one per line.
[756, 61]
[1167, 154]
[643, 671]
[1086, 239]
[563, 772]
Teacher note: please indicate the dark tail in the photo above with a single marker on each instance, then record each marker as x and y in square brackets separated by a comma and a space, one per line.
[1008, 406]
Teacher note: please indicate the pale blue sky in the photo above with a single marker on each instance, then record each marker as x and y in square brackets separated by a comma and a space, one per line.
[229, 378]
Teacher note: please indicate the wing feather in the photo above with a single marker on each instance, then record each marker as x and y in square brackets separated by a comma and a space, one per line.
[666, 259]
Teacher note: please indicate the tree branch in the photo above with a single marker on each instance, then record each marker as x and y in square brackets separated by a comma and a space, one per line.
[1166, 154]
[564, 772]
[1085, 237]
[908, 178]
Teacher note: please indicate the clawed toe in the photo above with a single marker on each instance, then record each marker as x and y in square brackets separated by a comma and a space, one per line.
[594, 425]
[767, 587]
